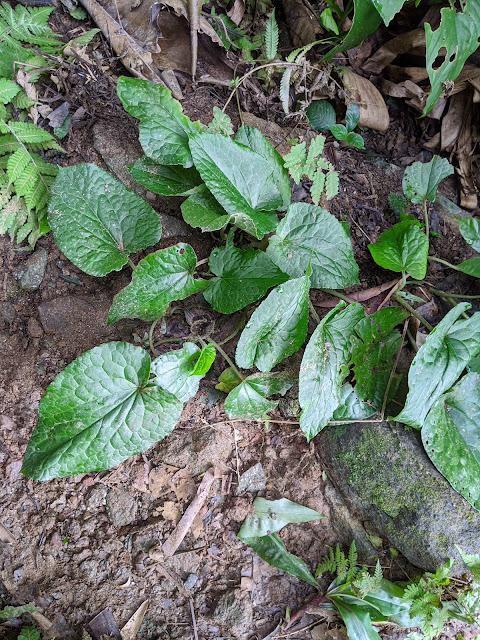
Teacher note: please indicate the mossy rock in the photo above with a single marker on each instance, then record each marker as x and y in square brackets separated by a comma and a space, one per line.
[385, 477]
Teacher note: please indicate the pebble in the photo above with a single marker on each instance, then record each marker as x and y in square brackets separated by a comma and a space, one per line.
[96, 497]
[253, 480]
[121, 507]
[7, 312]
[34, 329]
[31, 273]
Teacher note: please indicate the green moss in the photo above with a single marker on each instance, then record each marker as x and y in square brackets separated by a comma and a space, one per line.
[380, 476]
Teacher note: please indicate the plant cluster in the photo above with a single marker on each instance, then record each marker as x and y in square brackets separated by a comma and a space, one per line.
[115, 394]
[361, 597]
[25, 176]
[26, 633]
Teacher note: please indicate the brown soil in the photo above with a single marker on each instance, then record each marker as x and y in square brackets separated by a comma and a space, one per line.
[81, 544]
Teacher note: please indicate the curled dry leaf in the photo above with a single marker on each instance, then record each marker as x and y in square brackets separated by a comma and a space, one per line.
[373, 110]
[236, 12]
[302, 22]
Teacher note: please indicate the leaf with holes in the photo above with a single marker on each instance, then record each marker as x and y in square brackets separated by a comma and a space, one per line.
[402, 248]
[163, 130]
[158, 279]
[255, 139]
[311, 235]
[324, 367]
[269, 516]
[374, 345]
[167, 180]
[175, 371]
[249, 401]
[438, 363]
[277, 328]
[97, 412]
[451, 437]
[351, 408]
[240, 179]
[96, 221]
[421, 179]
[242, 277]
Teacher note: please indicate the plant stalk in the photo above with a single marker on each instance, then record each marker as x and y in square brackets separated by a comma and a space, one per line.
[411, 310]
[447, 264]
[227, 358]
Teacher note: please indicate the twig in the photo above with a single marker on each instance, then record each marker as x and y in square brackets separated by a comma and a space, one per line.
[411, 310]
[227, 358]
[358, 296]
[194, 621]
[315, 315]
[172, 543]
[394, 368]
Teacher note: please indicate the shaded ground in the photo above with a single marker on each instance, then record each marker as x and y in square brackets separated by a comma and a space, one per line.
[81, 544]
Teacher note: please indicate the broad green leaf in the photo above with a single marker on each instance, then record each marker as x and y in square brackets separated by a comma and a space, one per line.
[338, 131]
[421, 179]
[205, 360]
[438, 363]
[388, 599]
[157, 280]
[311, 235]
[388, 9]
[355, 140]
[228, 380]
[357, 620]
[248, 400]
[96, 221]
[470, 230]
[474, 365]
[254, 138]
[328, 21]
[240, 179]
[451, 437]
[168, 180]
[366, 20]
[29, 633]
[320, 114]
[352, 116]
[272, 550]
[471, 266]
[456, 38]
[351, 407]
[374, 346]
[202, 210]
[324, 367]
[472, 560]
[403, 247]
[163, 130]
[174, 371]
[97, 412]
[242, 277]
[277, 328]
[269, 516]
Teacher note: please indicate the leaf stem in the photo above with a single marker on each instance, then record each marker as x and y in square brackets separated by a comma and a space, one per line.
[227, 358]
[411, 310]
[317, 601]
[337, 294]
[150, 336]
[442, 294]
[425, 215]
[131, 264]
[239, 326]
[200, 262]
[447, 264]
[313, 311]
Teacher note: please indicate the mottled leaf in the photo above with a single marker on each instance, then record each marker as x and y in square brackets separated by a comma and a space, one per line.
[320, 114]
[403, 247]
[248, 400]
[269, 516]
[421, 179]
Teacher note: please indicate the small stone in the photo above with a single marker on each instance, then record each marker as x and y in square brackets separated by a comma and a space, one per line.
[191, 581]
[121, 507]
[96, 497]
[253, 480]
[7, 312]
[34, 329]
[32, 272]
[234, 612]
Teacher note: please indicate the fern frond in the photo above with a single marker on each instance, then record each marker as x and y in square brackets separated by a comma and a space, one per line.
[29, 133]
[22, 101]
[8, 144]
[318, 184]
[327, 564]
[331, 184]
[8, 90]
[17, 163]
[271, 37]
[27, 24]
[352, 560]
[294, 161]
[285, 89]
[342, 564]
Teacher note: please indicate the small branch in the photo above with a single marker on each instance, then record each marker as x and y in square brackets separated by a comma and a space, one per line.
[438, 292]
[411, 310]
[227, 358]
[392, 372]
[172, 543]
[337, 294]
[200, 262]
[150, 336]
[358, 296]
[315, 315]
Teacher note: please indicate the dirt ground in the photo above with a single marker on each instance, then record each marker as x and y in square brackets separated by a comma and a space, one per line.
[78, 545]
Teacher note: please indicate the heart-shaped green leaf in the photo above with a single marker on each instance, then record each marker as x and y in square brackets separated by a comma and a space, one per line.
[97, 412]
[248, 400]
[351, 408]
[310, 235]
[96, 221]
[163, 130]
[470, 230]
[242, 277]
[324, 367]
[403, 247]
[255, 139]
[174, 371]
[157, 280]
[421, 179]
[438, 363]
[321, 115]
[240, 179]
[228, 380]
[167, 180]
[352, 116]
[451, 437]
[202, 210]
[277, 328]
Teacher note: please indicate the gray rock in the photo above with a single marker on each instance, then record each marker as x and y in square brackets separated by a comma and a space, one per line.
[385, 477]
[34, 329]
[234, 612]
[121, 507]
[96, 497]
[253, 480]
[7, 312]
[31, 273]
[118, 151]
